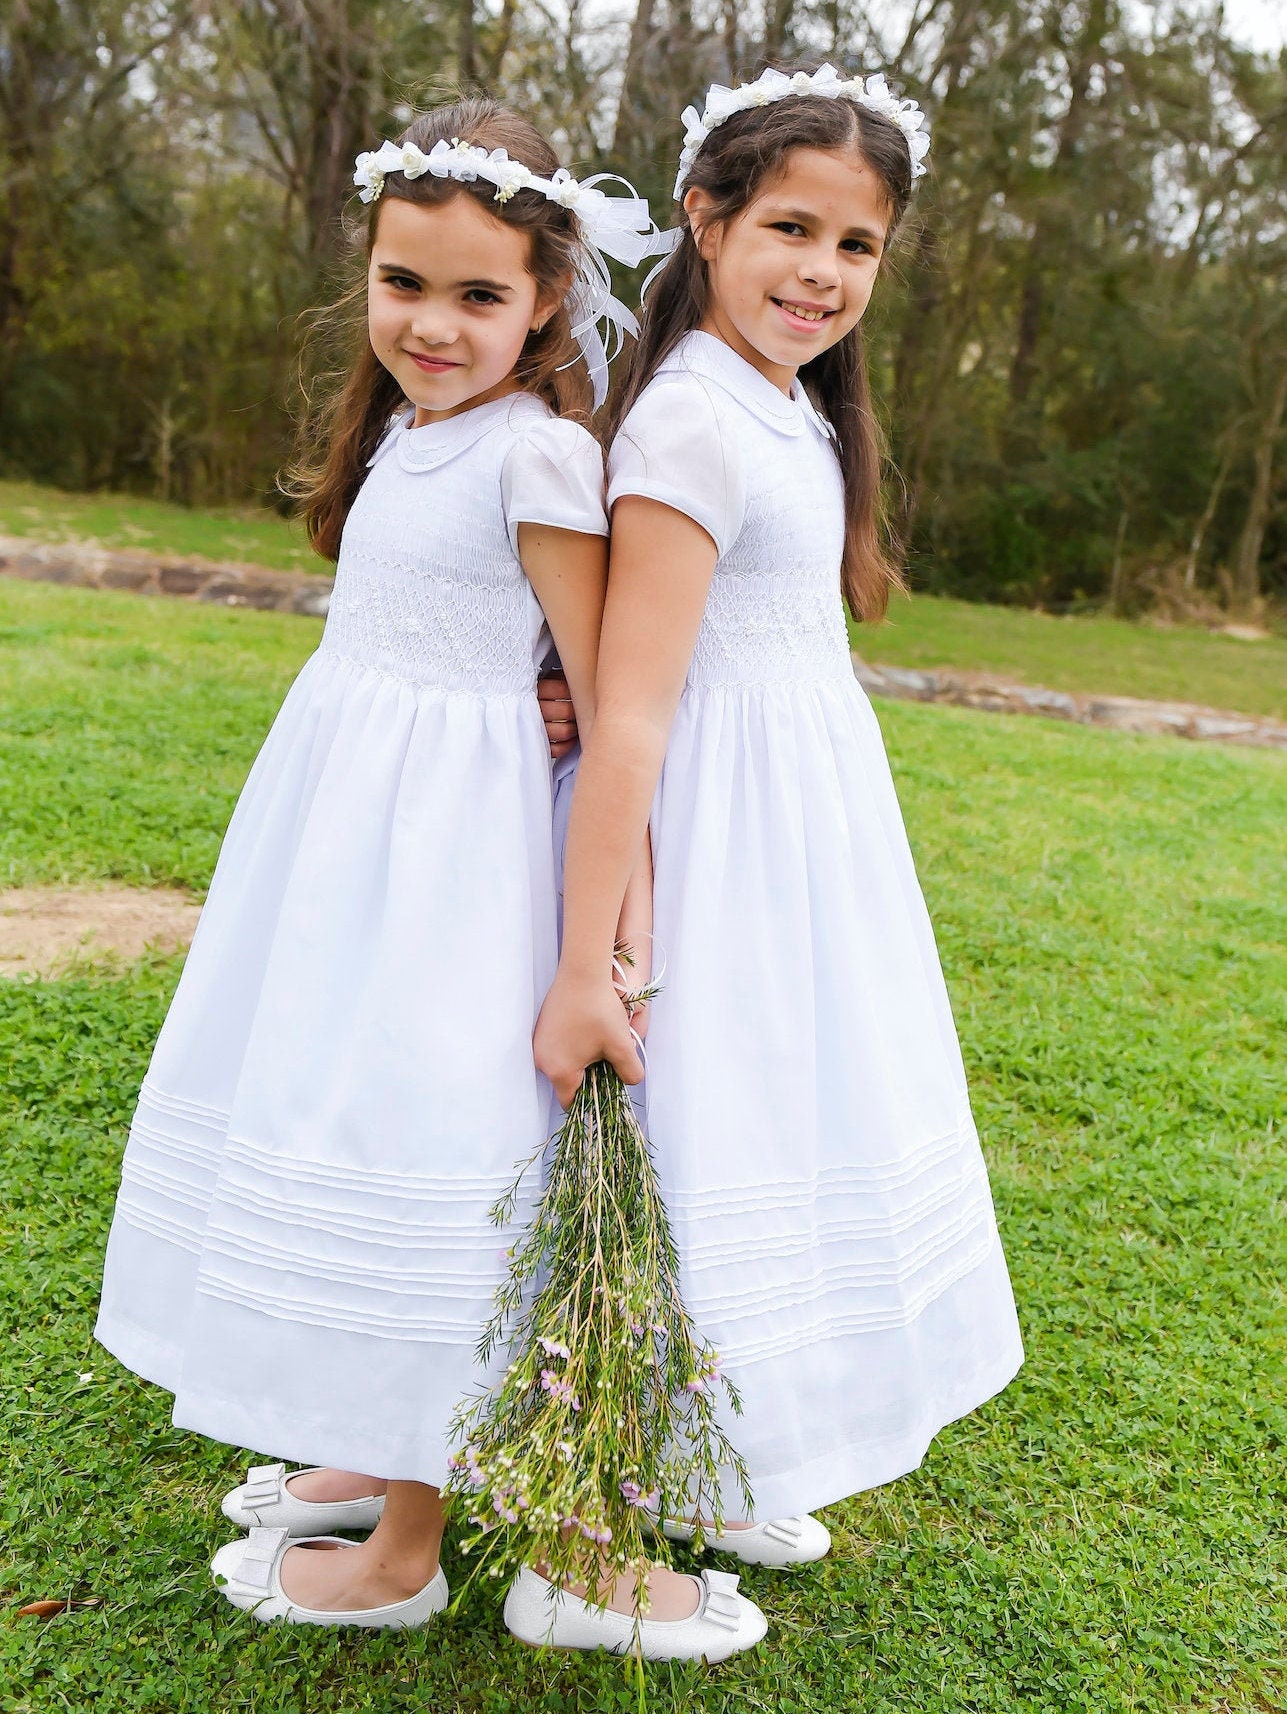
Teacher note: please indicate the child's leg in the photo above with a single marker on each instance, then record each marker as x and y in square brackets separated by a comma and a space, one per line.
[328, 1486]
[396, 1560]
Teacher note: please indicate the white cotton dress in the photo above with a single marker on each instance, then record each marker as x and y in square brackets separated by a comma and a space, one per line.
[805, 1093]
[344, 1083]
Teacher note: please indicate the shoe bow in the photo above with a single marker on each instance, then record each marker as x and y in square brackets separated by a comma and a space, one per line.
[786, 1530]
[259, 1557]
[263, 1484]
[721, 1606]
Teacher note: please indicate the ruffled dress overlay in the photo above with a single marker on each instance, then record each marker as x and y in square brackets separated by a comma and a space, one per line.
[805, 1095]
[344, 1083]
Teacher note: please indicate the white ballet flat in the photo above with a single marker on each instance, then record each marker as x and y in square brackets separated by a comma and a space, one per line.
[248, 1573]
[724, 1623]
[780, 1541]
[264, 1500]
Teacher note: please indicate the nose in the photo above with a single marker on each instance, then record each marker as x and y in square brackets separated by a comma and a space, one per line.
[818, 268]
[433, 325]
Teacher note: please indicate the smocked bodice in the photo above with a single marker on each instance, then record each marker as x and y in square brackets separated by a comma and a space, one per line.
[757, 469]
[429, 587]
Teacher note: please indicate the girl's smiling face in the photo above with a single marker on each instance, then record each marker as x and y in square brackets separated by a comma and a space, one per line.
[450, 302]
[791, 275]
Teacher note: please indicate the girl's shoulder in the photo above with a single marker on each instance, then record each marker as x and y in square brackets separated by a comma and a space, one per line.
[679, 445]
[715, 390]
[552, 472]
[534, 425]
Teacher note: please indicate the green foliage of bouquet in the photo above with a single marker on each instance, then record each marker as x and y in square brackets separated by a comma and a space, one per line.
[608, 1408]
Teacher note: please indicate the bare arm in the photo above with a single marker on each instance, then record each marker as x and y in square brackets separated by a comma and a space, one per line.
[660, 574]
[568, 573]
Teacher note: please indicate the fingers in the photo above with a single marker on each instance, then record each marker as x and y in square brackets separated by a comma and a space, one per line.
[626, 1063]
[558, 714]
[562, 735]
[566, 1086]
[553, 688]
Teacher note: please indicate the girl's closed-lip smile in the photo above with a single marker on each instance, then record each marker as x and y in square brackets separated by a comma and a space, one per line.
[432, 365]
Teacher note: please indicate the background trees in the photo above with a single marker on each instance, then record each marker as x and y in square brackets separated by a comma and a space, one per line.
[1081, 353]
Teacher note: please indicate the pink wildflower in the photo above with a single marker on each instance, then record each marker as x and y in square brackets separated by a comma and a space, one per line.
[634, 1495]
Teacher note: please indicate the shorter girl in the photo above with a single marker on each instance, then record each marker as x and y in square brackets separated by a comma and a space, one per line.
[302, 1250]
[805, 1093]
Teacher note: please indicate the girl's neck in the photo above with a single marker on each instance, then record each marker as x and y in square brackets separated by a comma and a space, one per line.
[717, 324]
[502, 390]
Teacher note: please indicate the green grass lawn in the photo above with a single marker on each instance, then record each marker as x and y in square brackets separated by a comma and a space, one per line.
[259, 537]
[1104, 1537]
[1109, 656]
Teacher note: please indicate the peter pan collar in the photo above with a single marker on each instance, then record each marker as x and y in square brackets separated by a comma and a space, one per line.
[434, 444]
[700, 353]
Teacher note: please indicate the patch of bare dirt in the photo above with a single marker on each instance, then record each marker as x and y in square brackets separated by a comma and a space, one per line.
[45, 930]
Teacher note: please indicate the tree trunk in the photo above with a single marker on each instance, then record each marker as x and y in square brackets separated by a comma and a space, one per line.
[626, 132]
[1032, 297]
[777, 22]
[1203, 524]
[467, 46]
[504, 35]
[732, 44]
[1246, 563]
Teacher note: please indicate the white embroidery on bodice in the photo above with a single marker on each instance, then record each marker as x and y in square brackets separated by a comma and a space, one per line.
[428, 588]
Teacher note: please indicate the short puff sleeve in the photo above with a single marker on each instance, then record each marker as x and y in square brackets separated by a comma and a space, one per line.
[674, 448]
[553, 475]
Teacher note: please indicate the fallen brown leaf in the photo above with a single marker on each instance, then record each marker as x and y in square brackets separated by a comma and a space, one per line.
[51, 1609]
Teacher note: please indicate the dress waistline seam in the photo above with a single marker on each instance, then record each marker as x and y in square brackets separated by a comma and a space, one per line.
[473, 693]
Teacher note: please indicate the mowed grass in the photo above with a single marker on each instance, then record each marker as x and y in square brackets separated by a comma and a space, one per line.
[1106, 1536]
[1084, 654]
[251, 534]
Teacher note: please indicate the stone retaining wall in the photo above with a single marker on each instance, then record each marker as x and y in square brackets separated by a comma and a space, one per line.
[85, 565]
[1127, 713]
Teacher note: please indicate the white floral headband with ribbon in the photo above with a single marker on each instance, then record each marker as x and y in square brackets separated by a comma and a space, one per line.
[617, 226]
[872, 92]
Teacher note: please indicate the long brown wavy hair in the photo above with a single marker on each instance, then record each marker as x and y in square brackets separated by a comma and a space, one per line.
[734, 163]
[348, 409]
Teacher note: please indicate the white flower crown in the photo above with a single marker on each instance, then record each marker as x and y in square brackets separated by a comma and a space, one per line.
[618, 226]
[872, 92]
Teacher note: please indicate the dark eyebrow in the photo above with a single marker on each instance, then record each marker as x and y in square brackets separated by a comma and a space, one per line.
[496, 286]
[802, 217]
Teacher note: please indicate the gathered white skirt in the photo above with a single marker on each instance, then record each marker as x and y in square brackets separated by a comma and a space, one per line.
[806, 1098]
[344, 1084]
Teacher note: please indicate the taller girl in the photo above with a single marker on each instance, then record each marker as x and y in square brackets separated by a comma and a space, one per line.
[805, 1092]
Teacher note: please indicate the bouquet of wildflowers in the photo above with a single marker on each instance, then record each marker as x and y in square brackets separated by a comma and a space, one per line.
[607, 1409]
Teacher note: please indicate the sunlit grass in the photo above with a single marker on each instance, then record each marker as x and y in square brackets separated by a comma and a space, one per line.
[1104, 1537]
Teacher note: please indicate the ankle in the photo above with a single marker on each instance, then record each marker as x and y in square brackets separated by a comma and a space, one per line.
[409, 1568]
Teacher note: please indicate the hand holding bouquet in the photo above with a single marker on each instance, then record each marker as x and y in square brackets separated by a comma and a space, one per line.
[607, 1410]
